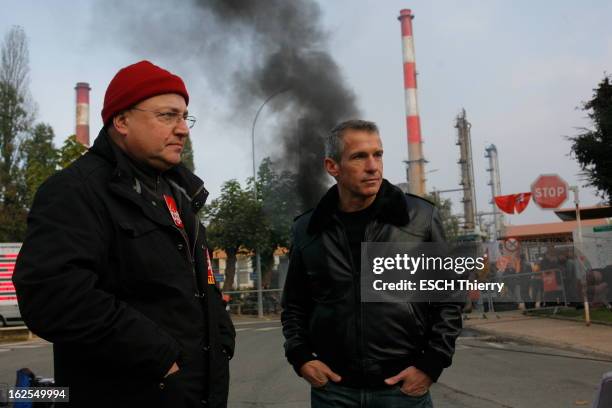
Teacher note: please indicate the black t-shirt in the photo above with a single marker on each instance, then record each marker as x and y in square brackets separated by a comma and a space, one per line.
[355, 225]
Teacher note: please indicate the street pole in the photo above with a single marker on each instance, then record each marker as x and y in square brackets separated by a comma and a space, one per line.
[260, 313]
[587, 314]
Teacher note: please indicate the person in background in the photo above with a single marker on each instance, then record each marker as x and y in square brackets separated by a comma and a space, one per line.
[550, 263]
[524, 268]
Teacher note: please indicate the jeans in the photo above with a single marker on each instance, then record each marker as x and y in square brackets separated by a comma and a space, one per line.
[338, 396]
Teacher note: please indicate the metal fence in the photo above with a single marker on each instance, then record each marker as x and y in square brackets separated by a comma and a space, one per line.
[546, 274]
[535, 274]
[244, 302]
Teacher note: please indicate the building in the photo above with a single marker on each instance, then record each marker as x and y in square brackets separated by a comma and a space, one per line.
[560, 231]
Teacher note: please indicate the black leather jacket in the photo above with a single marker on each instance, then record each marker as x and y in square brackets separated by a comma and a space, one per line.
[323, 316]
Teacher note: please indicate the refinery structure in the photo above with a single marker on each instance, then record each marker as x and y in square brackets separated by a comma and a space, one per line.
[474, 224]
[495, 183]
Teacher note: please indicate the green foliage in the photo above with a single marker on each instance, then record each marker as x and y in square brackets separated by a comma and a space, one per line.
[27, 154]
[592, 147]
[276, 191]
[234, 218]
[14, 121]
[280, 202]
[235, 223]
[449, 221]
[16, 117]
[187, 155]
[70, 151]
[40, 159]
[13, 217]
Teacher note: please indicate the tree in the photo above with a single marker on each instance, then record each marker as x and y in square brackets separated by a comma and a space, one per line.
[70, 151]
[16, 117]
[592, 147]
[187, 155]
[40, 159]
[235, 223]
[280, 201]
[450, 222]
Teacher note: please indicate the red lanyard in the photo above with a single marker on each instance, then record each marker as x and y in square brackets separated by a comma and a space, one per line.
[171, 204]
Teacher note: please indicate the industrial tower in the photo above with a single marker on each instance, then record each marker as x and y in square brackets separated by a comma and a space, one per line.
[415, 172]
[82, 112]
[495, 183]
[466, 166]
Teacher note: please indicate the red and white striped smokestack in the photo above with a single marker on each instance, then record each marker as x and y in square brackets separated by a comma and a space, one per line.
[82, 112]
[416, 162]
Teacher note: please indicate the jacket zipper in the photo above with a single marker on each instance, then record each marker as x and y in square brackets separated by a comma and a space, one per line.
[362, 305]
[190, 251]
[191, 261]
[357, 296]
[195, 239]
[195, 244]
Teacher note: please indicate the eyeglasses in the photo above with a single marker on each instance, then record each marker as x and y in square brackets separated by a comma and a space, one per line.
[171, 118]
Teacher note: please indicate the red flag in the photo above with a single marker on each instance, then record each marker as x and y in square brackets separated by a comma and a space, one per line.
[506, 203]
[521, 202]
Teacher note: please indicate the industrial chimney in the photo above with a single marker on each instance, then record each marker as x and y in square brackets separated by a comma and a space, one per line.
[82, 112]
[415, 173]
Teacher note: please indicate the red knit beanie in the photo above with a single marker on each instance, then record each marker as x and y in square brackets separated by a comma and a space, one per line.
[138, 82]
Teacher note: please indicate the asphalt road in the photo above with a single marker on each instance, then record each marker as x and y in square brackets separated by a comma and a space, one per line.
[35, 355]
[485, 374]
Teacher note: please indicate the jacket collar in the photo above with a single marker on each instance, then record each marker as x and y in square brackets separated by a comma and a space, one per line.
[390, 207]
[123, 174]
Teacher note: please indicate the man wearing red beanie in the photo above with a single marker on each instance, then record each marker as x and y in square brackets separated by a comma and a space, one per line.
[115, 269]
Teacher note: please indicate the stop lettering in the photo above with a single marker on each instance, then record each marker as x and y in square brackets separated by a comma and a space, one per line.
[549, 191]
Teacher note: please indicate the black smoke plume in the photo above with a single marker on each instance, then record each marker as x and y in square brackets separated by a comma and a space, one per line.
[252, 49]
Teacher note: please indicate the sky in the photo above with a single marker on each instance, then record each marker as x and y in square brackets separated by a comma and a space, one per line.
[520, 69]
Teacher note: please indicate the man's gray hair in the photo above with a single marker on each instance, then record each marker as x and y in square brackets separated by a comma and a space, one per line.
[334, 144]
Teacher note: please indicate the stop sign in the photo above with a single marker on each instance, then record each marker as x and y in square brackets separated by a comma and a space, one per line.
[549, 191]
